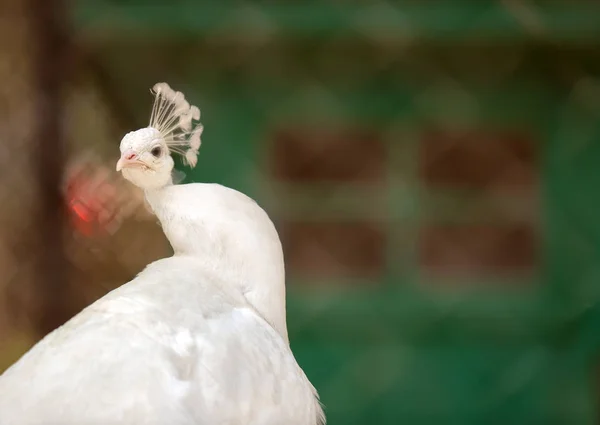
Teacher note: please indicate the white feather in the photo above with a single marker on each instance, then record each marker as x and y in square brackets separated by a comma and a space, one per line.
[191, 156]
[195, 137]
[195, 112]
[172, 116]
[196, 339]
[163, 88]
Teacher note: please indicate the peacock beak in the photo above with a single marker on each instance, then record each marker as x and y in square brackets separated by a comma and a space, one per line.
[130, 160]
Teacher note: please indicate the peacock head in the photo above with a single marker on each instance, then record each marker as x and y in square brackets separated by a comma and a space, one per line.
[146, 153]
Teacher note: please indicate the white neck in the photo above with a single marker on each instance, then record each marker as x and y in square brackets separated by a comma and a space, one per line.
[232, 237]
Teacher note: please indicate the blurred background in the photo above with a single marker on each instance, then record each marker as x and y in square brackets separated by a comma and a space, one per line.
[432, 168]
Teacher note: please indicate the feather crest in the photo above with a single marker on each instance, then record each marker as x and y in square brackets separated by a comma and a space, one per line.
[174, 117]
[191, 157]
[195, 137]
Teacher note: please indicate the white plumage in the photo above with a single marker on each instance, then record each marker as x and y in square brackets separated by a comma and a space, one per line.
[199, 338]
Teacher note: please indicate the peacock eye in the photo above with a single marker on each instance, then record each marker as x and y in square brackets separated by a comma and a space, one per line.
[156, 151]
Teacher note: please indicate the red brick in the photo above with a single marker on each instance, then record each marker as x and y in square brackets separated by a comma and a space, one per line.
[500, 160]
[334, 249]
[478, 249]
[301, 156]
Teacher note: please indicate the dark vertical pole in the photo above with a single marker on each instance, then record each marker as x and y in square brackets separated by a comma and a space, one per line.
[49, 30]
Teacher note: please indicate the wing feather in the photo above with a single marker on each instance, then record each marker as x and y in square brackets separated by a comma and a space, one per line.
[141, 356]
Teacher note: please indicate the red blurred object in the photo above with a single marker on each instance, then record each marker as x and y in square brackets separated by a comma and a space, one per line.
[93, 201]
[81, 210]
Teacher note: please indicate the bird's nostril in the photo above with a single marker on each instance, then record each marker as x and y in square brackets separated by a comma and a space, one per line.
[130, 156]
